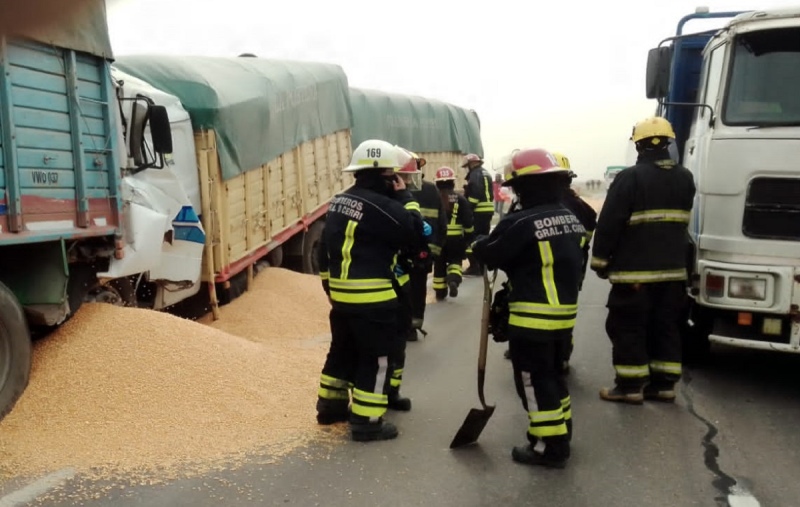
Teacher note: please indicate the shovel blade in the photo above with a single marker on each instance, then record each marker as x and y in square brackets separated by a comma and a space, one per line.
[473, 425]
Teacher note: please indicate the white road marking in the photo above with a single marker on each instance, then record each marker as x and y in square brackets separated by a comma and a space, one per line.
[35, 489]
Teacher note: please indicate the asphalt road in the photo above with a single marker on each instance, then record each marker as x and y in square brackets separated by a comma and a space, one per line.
[731, 439]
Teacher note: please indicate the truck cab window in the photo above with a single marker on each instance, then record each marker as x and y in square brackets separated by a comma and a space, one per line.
[713, 78]
[764, 79]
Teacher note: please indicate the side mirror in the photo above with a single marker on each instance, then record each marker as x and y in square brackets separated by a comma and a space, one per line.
[146, 115]
[659, 61]
[160, 130]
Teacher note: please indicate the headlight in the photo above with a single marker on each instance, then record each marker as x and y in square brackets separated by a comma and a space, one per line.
[747, 288]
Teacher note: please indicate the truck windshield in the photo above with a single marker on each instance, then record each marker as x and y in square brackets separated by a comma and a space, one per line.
[764, 79]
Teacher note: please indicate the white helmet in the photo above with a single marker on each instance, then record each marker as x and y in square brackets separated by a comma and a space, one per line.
[377, 154]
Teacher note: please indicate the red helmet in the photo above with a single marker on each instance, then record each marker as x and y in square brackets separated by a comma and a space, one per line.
[470, 158]
[532, 162]
[413, 165]
[445, 174]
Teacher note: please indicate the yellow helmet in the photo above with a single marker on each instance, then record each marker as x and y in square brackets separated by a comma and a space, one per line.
[655, 126]
[562, 160]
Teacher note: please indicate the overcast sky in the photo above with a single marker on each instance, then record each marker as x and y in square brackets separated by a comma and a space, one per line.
[564, 75]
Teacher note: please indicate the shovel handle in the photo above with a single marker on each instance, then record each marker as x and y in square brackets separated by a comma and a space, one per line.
[488, 286]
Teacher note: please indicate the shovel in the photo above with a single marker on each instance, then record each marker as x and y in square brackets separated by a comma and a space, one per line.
[477, 418]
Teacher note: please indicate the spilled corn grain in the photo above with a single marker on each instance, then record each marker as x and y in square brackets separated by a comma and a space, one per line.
[136, 391]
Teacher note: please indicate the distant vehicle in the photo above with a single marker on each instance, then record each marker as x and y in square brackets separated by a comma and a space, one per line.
[611, 172]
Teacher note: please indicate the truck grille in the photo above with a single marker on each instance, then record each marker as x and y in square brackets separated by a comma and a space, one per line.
[772, 209]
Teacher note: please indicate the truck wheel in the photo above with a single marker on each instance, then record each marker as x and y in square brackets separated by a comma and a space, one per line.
[275, 256]
[15, 350]
[311, 247]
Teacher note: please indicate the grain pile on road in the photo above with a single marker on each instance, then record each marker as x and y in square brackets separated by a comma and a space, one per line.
[138, 391]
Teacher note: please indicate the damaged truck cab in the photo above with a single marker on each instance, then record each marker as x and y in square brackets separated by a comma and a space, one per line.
[63, 158]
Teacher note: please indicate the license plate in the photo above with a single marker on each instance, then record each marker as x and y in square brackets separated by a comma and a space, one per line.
[772, 326]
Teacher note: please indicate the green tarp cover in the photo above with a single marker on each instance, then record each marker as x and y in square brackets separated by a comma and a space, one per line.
[84, 29]
[258, 108]
[419, 124]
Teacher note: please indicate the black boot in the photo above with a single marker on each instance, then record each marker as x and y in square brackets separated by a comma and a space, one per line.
[369, 432]
[332, 411]
[441, 294]
[554, 455]
[397, 402]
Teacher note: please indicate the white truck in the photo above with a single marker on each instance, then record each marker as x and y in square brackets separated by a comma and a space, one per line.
[732, 97]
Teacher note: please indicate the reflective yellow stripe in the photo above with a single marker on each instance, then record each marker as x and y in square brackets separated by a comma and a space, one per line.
[598, 263]
[667, 275]
[435, 249]
[566, 407]
[349, 241]
[583, 241]
[455, 230]
[331, 388]
[473, 200]
[361, 284]
[469, 230]
[666, 367]
[628, 371]
[659, 215]
[333, 382]
[454, 269]
[429, 212]
[403, 279]
[548, 276]
[324, 275]
[384, 163]
[484, 207]
[487, 183]
[332, 394]
[412, 206]
[524, 307]
[363, 297]
[547, 423]
[366, 404]
[439, 283]
[454, 217]
[542, 324]
[374, 290]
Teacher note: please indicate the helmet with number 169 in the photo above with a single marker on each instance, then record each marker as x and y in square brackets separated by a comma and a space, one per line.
[532, 162]
[377, 154]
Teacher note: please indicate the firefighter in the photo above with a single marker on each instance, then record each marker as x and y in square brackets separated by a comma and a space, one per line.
[478, 191]
[433, 213]
[405, 263]
[640, 246]
[365, 227]
[460, 228]
[588, 217]
[539, 248]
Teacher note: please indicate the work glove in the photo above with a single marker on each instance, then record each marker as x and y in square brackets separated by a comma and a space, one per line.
[427, 230]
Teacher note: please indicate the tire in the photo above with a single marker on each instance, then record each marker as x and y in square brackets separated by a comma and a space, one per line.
[311, 247]
[15, 351]
[275, 257]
